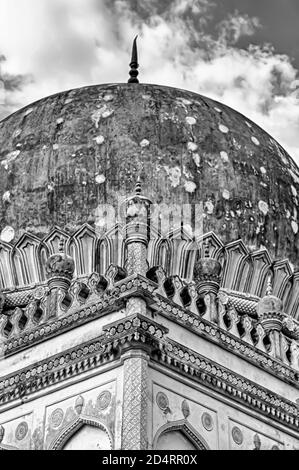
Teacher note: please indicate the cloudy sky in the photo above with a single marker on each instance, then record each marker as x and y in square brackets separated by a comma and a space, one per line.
[244, 53]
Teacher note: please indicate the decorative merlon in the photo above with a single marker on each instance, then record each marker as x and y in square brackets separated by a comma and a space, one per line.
[243, 271]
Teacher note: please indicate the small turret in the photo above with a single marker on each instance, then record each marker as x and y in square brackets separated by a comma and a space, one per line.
[270, 309]
[60, 268]
[207, 273]
[135, 212]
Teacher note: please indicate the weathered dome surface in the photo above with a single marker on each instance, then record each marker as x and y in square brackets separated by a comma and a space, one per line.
[65, 154]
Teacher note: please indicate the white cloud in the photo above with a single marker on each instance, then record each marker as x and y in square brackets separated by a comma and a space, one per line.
[71, 43]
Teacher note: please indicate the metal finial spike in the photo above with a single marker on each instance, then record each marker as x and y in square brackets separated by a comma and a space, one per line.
[269, 288]
[138, 186]
[134, 64]
[61, 245]
[206, 249]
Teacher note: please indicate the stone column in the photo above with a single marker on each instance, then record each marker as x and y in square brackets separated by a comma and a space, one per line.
[136, 252]
[270, 314]
[135, 400]
[59, 271]
[207, 278]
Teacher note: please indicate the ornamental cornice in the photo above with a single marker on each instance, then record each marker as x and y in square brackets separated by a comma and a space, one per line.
[135, 329]
[140, 331]
[236, 345]
[101, 305]
[230, 384]
[115, 298]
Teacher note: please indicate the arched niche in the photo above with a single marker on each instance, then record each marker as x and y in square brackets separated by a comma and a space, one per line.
[178, 435]
[84, 433]
[110, 250]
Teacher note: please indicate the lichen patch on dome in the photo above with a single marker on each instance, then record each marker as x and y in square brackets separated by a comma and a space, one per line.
[108, 97]
[169, 117]
[11, 156]
[255, 140]
[224, 156]
[190, 186]
[184, 101]
[225, 194]
[103, 112]
[16, 133]
[192, 146]
[263, 207]
[196, 158]
[248, 124]
[6, 196]
[294, 226]
[144, 143]
[7, 234]
[223, 128]
[174, 175]
[107, 113]
[190, 120]
[263, 170]
[294, 191]
[100, 139]
[295, 177]
[209, 207]
[99, 179]
[28, 111]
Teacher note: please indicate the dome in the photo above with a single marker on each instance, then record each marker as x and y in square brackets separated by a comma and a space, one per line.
[64, 155]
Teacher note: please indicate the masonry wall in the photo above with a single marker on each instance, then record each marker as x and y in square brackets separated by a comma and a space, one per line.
[91, 401]
[219, 423]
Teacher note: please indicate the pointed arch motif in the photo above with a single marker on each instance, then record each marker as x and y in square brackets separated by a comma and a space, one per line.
[185, 428]
[236, 254]
[74, 426]
[215, 244]
[292, 305]
[261, 263]
[189, 257]
[153, 246]
[282, 275]
[243, 281]
[83, 244]
[163, 255]
[53, 238]
[7, 277]
[26, 260]
[178, 239]
[110, 249]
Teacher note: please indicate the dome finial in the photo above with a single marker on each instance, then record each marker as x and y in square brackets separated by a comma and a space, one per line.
[134, 63]
[138, 188]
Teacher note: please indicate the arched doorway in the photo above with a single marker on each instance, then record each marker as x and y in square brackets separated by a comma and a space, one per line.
[83, 433]
[178, 435]
[88, 438]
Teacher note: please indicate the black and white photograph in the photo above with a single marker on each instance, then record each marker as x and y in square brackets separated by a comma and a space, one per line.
[149, 228]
